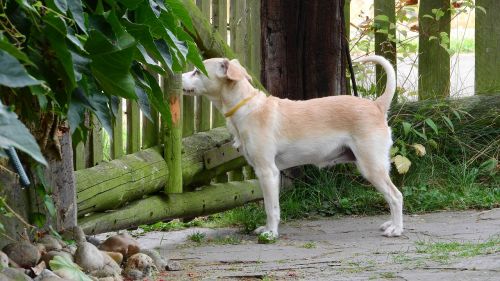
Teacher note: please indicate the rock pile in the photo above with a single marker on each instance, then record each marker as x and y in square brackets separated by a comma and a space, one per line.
[77, 257]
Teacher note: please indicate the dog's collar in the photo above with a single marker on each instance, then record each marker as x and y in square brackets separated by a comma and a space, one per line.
[233, 110]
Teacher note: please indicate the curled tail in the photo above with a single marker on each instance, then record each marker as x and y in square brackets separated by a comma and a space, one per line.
[384, 101]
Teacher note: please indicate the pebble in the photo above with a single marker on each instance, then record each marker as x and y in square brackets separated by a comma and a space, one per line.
[173, 266]
[14, 274]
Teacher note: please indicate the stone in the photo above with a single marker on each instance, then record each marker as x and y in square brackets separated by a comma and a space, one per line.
[48, 275]
[173, 266]
[76, 233]
[88, 257]
[4, 260]
[51, 243]
[93, 240]
[14, 274]
[159, 262]
[122, 243]
[117, 257]
[26, 255]
[139, 263]
[47, 257]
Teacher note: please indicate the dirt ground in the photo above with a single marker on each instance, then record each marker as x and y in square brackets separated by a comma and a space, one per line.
[347, 248]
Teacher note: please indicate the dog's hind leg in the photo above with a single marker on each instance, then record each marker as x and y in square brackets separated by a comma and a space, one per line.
[374, 166]
[268, 176]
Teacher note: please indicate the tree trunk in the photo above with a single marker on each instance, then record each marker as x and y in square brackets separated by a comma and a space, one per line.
[302, 56]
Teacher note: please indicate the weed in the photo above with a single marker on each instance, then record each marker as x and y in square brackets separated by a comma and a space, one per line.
[444, 251]
[197, 237]
[388, 275]
[266, 238]
[309, 245]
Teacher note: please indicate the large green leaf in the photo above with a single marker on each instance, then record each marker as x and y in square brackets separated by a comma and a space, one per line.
[11, 49]
[111, 65]
[12, 72]
[64, 267]
[131, 4]
[180, 11]
[157, 98]
[14, 133]
[56, 32]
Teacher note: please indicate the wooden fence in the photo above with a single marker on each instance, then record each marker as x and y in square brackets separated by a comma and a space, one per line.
[139, 168]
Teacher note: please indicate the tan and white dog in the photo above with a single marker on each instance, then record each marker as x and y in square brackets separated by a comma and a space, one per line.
[275, 134]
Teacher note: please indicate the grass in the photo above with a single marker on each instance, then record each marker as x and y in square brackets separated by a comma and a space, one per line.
[435, 183]
[444, 251]
[197, 237]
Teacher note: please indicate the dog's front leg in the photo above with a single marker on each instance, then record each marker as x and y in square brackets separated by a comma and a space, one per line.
[269, 183]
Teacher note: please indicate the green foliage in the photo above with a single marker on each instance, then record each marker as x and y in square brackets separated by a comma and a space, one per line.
[197, 237]
[75, 56]
[13, 133]
[62, 266]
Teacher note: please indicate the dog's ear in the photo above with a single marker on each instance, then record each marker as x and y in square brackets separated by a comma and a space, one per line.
[234, 70]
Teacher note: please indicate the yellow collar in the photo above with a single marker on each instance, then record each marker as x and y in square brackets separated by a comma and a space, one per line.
[233, 110]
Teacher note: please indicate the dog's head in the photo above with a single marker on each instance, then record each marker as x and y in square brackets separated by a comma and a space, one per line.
[221, 72]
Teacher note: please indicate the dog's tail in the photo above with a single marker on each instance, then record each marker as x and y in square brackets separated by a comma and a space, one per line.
[384, 101]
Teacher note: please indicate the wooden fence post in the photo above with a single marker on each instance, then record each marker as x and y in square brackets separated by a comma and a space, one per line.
[385, 35]
[487, 70]
[434, 59]
[172, 133]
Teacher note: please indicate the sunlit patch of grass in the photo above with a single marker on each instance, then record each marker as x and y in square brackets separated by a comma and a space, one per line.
[444, 251]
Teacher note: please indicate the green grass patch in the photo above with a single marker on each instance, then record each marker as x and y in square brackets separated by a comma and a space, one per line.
[197, 237]
[172, 225]
[444, 251]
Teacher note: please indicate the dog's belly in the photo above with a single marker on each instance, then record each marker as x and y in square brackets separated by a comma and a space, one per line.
[319, 151]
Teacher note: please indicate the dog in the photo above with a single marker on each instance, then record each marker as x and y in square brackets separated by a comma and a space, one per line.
[275, 134]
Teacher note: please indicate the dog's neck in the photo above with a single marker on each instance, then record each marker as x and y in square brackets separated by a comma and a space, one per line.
[233, 94]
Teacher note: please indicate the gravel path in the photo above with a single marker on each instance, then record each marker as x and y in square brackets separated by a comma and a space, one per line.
[437, 246]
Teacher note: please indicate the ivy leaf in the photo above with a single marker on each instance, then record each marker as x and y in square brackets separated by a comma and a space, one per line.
[180, 11]
[195, 58]
[402, 164]
[11, 49]
[13, 74]
[67, 269]
[49, 204]
[143, 101]
[14, 133]
[56, 32]
[76, 9]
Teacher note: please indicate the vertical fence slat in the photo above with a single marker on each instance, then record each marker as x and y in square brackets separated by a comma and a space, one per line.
[150, 130]
[253, 59]
[204, 105]
[96, 142]
[187, 116]
[219, 13]
[133, 127]
[79, 156]
[172, 88]
[487, 37]
[117, 138]
[239, 28]
[385, 44]
[433, 60]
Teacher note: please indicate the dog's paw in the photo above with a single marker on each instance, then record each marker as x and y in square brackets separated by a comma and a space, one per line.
[385, 225]
[393, 231]
[265, 229]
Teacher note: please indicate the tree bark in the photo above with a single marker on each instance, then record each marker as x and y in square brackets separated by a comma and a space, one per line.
[302, 56]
